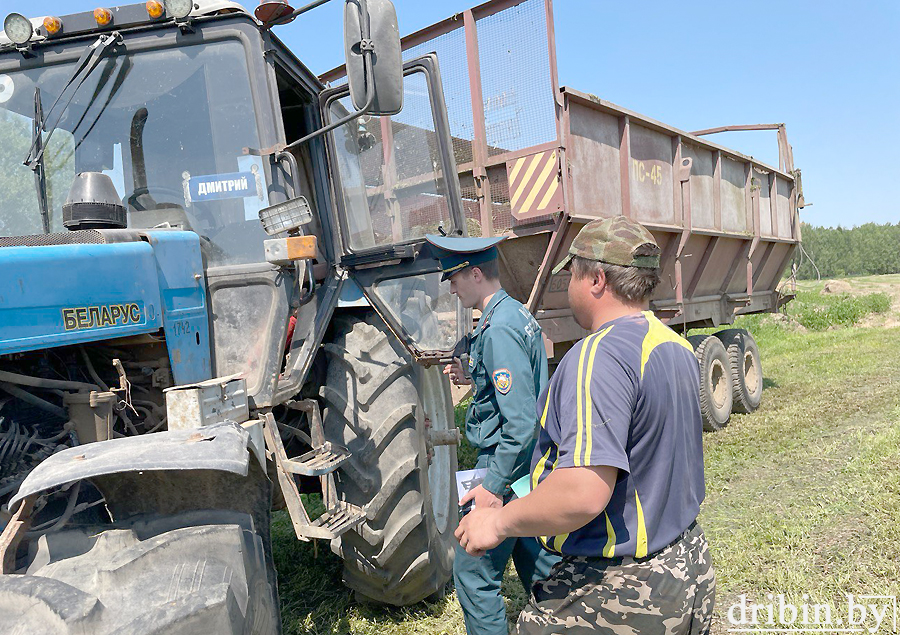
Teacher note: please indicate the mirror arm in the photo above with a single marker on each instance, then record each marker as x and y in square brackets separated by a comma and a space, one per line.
[370, 99]
[290, 16]
[367, 52]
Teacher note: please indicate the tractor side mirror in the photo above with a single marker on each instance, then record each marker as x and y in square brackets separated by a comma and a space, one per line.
[372, 49]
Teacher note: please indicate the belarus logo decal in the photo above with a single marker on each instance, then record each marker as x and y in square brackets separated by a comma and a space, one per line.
[502, 380]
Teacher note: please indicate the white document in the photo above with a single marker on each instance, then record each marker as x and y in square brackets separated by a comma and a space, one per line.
[467, 480]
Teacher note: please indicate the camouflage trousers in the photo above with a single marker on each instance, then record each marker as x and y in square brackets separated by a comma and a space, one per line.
[671, 592]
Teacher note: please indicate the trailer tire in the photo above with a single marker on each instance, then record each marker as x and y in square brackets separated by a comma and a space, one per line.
[715, 381]
[746, 369]
[176, 575]
[376, 403]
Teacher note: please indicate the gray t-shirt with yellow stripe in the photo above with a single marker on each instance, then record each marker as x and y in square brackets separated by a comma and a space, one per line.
[627, 396]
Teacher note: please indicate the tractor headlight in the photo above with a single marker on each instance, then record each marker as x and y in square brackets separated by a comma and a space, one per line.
[286, 217]
[179, 9]
[18, 28]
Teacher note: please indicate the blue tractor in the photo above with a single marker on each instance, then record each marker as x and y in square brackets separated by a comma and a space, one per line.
[215, 295]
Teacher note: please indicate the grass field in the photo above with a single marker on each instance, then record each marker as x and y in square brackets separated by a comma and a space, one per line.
[803, 496]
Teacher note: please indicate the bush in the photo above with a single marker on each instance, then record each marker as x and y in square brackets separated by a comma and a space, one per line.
[817, 312]
[811, 311]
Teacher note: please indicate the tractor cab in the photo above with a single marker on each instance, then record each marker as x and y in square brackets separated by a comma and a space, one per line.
[194, 121]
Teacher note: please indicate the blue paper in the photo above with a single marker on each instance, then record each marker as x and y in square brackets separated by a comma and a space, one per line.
[522, 487]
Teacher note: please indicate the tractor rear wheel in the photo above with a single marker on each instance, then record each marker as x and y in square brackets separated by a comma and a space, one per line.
[382, 407]
[197, 573]
[715, 381]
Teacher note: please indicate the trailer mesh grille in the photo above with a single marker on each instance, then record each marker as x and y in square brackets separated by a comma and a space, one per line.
[470, 204]
[500, 207]
[451, 51]
[516, 83]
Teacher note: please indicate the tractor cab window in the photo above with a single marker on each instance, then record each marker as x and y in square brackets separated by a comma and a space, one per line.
[393, 185]
[169, 126]
[19, 210]
[396, 182]
[425, 309]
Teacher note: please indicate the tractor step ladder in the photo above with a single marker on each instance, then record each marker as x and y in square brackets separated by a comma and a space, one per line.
[340, 518]
[321, 461]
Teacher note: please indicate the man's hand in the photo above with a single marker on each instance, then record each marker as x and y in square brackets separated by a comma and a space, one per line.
[479, 530]
[483, 498]
[457, 375]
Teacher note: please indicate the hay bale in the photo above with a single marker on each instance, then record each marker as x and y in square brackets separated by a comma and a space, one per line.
[836, 286]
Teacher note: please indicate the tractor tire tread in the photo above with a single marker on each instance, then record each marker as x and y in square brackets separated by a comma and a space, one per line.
[147, 578]
[390, 557]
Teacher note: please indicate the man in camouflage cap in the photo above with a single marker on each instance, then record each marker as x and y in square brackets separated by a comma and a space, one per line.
[617, 472]
[615, 241]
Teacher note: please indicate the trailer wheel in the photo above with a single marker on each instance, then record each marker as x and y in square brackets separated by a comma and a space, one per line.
[715, 381]
[746, 369]
[376, 404]
[163, 575]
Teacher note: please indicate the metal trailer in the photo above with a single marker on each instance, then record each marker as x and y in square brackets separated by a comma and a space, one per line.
[537, 161]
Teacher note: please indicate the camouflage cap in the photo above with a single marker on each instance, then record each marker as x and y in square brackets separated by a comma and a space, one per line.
[613, 241]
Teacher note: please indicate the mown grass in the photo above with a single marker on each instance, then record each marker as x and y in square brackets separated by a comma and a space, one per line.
[803, 496]
[810, 310]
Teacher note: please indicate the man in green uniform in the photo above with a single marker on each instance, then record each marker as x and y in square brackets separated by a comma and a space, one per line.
[508, 368]
[617, 472]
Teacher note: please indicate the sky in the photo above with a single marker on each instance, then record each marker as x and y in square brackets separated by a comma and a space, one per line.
[828, 70]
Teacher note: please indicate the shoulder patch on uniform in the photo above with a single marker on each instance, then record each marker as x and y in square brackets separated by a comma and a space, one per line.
[502, 380]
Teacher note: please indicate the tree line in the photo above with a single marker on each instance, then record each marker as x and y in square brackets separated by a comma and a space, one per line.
[869, 249]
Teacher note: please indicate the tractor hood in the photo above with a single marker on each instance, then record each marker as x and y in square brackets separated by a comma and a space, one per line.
[127, 283]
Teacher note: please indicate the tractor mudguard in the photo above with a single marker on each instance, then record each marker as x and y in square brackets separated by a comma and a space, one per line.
[187, 549]
[222, 447]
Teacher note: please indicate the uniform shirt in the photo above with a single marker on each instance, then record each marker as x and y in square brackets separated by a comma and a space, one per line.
[627, 396]
[508, 364]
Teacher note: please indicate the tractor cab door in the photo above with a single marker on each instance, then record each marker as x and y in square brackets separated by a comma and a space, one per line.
[395, 181]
